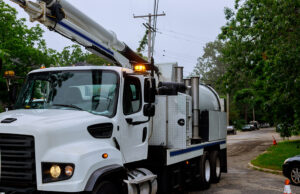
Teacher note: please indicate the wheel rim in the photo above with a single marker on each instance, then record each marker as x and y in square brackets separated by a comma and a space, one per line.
[207, 171]
[218, 167]
[295, 175]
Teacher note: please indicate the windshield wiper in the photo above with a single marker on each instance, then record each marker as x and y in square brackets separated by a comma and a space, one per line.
[68, 105]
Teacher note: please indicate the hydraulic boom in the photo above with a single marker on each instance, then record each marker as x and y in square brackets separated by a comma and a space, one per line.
[65, 19]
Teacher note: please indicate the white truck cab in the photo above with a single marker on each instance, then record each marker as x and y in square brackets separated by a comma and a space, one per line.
[81, 123]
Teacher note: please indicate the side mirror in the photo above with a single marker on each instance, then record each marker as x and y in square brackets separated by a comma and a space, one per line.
[149, 110]
[149, 92]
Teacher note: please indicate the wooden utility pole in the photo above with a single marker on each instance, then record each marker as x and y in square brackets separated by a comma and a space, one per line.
[150, 30]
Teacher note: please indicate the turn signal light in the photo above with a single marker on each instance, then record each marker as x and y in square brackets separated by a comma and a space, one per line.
[69, 170]
[105, 155]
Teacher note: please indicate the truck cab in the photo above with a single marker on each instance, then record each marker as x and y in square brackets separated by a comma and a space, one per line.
[69, 122]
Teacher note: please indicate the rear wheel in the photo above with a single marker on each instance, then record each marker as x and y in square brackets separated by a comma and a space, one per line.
[205, 171]
[106, 187]
[215, 166]
[295, 175]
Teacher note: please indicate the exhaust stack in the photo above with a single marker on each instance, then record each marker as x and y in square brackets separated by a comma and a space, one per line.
[178, 74]
[187, 83]
[195, 99]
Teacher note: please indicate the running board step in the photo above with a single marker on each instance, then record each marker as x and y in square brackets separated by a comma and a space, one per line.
[141, 179]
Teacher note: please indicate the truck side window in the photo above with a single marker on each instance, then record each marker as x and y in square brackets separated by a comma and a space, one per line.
[132, 97]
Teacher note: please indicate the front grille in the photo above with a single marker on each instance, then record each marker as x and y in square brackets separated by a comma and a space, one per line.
[17, 162]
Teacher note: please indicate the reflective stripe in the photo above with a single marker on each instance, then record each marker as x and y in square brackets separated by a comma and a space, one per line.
[179, 152]
[86, 38]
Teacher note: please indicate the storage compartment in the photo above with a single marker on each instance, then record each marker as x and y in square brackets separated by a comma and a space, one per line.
[172, 123]
[212, 125]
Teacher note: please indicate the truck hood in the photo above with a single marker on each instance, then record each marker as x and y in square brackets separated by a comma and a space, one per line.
[40, 118]
[51, 125]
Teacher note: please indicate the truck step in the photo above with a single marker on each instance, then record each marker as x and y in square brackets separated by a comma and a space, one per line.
[141, 179]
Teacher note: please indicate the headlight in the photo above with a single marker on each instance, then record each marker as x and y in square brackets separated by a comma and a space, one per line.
[53, 172]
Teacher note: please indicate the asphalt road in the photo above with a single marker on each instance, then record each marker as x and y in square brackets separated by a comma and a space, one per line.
[241, 149]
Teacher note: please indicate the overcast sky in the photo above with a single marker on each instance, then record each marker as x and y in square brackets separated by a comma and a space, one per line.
[182, 33]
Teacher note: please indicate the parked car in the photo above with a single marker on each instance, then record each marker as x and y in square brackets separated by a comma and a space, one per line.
[291, 169]
[265, 125]
[231, 130]
[255, 124]
[248, 127]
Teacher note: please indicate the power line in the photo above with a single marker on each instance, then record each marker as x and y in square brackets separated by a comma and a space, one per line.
[185, 39]
[182, 34]
[180, 58]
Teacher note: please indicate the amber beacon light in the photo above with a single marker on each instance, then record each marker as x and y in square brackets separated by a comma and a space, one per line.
[140, 68]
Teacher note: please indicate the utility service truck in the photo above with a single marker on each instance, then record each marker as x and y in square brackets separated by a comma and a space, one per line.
[131, 128]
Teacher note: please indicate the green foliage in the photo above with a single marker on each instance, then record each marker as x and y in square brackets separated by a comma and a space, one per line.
[95, 60]
[143, 43]
[72, 55]
[275, 155]
[262, 46]
[1, 108]
[239, 123]
[21, 48]
[210, 67]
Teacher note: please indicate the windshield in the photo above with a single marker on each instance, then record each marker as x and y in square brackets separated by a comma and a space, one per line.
[95, 91]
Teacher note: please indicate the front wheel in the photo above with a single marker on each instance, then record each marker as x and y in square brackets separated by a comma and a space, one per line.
[106, 187]
[295, 175]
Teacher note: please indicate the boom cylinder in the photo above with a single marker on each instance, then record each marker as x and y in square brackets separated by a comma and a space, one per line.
[195, 100]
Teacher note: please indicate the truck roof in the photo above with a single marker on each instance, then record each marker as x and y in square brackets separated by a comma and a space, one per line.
[74, 68]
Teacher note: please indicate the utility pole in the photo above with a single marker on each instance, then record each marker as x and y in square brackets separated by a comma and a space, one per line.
[150, 30]
[227, 104]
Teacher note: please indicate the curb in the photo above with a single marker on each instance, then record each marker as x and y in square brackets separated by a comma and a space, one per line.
[264, 169]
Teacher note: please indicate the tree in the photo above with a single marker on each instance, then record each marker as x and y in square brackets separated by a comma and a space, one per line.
[72, 55]
[21, 48]
[96, 60]
[262, 44]
[210, 66]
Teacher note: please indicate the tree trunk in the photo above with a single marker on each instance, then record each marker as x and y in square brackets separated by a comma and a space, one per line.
[246, 113]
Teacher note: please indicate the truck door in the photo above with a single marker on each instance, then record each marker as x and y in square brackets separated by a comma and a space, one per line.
[134, 143]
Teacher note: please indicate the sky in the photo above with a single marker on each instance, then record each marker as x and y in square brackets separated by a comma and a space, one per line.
[181, 34]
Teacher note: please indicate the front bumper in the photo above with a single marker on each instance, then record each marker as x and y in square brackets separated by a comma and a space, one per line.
[9, 190]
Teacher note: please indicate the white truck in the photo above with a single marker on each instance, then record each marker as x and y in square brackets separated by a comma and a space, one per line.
[109, 130]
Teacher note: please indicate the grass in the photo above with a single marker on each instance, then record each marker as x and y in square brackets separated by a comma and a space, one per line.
[274, 157]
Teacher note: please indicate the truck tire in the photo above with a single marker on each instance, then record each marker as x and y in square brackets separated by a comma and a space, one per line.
[205, 171]
[215, 163]
[106, 187]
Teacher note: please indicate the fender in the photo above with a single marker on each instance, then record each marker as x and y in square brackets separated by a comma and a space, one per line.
[102, 172]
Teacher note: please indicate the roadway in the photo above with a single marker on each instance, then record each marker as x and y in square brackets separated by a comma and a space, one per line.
[240, 179]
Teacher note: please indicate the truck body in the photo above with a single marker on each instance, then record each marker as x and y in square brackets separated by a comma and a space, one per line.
[92, 129]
